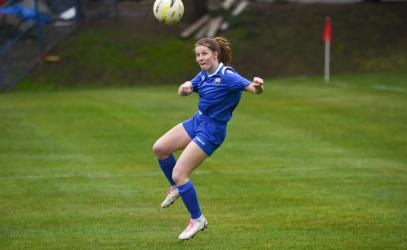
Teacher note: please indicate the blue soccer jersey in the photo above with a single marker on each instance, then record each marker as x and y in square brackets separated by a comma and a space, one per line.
[219, 92]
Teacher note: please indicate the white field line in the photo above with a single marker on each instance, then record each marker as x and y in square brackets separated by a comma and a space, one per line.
[146, 174]
[381, 87]
[389, 88]
[33, 177]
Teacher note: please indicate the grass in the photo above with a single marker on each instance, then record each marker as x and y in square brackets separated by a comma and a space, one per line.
[274, 39]
[306, 165]
[115, 58]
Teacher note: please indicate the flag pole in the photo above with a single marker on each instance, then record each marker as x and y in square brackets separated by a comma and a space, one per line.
[327, 61]
[327, 37]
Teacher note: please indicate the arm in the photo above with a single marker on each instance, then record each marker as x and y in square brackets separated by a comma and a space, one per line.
[185, 89]
[256, 86]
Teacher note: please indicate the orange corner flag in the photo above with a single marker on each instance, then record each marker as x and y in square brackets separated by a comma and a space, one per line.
[327, 35]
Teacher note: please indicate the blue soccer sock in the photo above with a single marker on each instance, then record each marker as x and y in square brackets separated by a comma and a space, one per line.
[188, 195]
[167, 165]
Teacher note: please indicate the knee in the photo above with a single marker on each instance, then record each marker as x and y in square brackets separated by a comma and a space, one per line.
[160, 150]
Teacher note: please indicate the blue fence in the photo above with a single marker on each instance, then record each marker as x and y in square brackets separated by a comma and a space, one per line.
[29, 29]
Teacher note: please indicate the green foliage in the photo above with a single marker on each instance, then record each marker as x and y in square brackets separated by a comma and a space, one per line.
[107, 57]
[286, 39]
[268, 40]
[306, 165]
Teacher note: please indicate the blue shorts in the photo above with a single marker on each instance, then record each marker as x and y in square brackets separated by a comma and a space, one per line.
[205, 132]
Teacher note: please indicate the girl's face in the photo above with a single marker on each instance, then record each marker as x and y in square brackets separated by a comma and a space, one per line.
[206, 58]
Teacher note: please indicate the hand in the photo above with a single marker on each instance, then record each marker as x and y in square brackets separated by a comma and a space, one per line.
[185, 89]
[257, 82]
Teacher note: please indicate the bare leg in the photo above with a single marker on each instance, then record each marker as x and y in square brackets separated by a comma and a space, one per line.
[190, 158]
[176, 138]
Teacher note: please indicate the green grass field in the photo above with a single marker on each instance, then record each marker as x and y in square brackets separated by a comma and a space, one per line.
[305, 165]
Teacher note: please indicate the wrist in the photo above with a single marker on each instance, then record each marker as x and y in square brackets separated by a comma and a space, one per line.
[258, 89]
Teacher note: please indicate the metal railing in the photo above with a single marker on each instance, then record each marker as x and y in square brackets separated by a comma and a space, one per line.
[31, 28]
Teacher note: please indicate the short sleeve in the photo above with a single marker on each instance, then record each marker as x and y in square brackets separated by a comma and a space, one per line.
[235, 81]
[195, 81]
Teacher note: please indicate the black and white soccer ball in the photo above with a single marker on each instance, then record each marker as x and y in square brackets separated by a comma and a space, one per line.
[168, 11]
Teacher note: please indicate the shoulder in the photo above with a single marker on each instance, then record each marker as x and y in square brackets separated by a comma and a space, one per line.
[228, 70]
[233, 79]
[199, 77]
[201, 73]
[230, 74]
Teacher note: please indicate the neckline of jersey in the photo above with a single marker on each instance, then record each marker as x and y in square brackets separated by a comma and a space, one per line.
[216, 71]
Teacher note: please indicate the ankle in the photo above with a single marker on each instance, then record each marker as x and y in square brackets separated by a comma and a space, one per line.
[200, 218]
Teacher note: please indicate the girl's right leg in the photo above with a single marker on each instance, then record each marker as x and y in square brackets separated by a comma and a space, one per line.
[176, 138]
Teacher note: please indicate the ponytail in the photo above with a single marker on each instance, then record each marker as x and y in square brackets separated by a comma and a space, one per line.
[225, 55]
[220, 45]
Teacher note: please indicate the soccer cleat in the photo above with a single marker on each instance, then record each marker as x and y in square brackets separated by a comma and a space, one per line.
[172, 195]
[194, 227]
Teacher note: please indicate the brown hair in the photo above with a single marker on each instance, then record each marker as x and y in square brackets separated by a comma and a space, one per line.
[220, 45]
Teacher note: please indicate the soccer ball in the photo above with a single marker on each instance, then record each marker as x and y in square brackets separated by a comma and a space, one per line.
[168, 11]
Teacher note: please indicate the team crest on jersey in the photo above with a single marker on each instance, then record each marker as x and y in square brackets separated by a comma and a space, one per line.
[217, 80]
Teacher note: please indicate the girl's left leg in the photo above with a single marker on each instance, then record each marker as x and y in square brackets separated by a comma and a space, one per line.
[191, 158]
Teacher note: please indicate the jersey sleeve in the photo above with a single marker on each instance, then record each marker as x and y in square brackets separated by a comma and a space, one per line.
[236, 81]
[195, 82]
